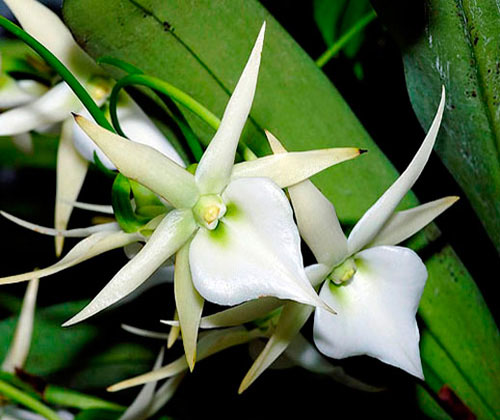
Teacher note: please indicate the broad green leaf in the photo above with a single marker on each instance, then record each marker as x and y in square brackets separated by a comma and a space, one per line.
[43, 156]
[458, 48]
[202, 50]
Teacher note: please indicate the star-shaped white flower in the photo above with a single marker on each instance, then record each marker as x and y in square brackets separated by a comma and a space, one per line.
[36, 112]
[374, 286]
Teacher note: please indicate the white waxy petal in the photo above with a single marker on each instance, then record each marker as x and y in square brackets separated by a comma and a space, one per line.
[216, 164]
[165, 393]
[292, 319]
[291, 168]
[376, 309]
[72, 233]
[144, 333]
[50, 108]
[189, 304]
[254, 251]
[305, 355]
[373, 220]
[98, 208]
[404, 224]
[21, 342]
[316, 217]
[141, 406]
[94, 245]
[174, 230]
[145, 165]
[238, 315]
[212, 342]
[48, 29]
[16, 93]
[71, 172]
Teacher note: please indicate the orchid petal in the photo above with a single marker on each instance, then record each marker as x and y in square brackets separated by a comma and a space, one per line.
[48, 29]
[174, 333]
[212, 342]
[50, 108]
[292, 319]
[238, 315]
[174, 230]
[403, 224]
[90, 247]
[20, 344]
[189, 304]
[305, 355]
[255, 250]
[316, 217]
[15, 93]
[374, 219]
[72, 233]
[214, 170]
[139, 128]
[144, 333]
[165, 393]
[376, 309]
[291, 168]
[145, 165]
[141, 406]
[71, 172]
[98, 208]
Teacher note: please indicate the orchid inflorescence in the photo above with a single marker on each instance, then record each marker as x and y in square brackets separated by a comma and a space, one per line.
[230, 228]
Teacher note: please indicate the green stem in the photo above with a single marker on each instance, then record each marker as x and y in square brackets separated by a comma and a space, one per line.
[72, 399]
[28, 401]
[61, 69]
[177, 95]
[345, 38]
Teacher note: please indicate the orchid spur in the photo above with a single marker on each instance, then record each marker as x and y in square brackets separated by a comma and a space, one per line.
[54, 106]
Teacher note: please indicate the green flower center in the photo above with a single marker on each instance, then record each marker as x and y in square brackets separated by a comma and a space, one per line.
[208, 210]
[343, 272]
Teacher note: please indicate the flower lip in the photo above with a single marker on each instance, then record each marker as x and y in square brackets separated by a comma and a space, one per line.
[208, 210]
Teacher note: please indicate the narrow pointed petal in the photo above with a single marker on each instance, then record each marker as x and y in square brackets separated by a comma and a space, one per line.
[94, 245]
[255, 250]
[376, 310]
[145, 165]
[317, 220]
[238, 315]
[144, 333]
[139, 128]
[212, 342]
[174, 333]
[71, 172]
[48, 29]
[174, 230]
[189, 304]
[216, 164]
[404, 224]
[374, 219]
[51, 108]
[141, 406]
[98, 208]
[14, 93]
[292, 319]
[291, 168]
[72, 233]
[165, 393]
[21, 342]
[305, 355]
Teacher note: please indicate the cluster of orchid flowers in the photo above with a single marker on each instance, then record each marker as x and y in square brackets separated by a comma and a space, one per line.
[230, 229]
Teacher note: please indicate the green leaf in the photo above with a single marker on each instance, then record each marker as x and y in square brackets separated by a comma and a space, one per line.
[202, 50]
[458, 48]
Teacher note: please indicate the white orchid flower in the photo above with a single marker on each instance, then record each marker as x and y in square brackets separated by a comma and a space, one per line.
[232, 229]
[374, 285]
[56, 104]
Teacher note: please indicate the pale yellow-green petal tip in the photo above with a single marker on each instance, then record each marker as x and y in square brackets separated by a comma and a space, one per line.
[191, 361]
[59, 243]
